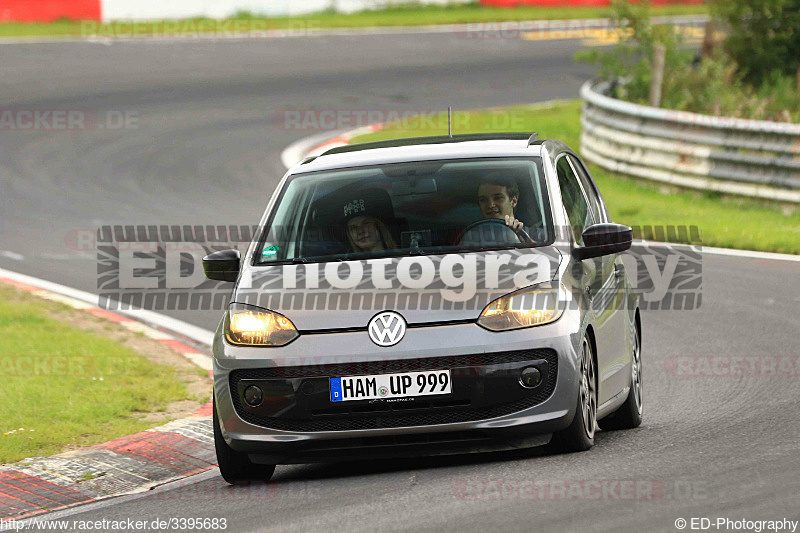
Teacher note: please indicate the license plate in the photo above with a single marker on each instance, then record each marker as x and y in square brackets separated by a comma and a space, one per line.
[405, 385]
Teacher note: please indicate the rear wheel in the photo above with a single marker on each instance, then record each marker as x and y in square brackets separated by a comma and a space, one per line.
[235, 467]
[579, 436]
[629, 415]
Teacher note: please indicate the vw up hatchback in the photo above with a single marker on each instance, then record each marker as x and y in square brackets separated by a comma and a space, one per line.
[426, 296]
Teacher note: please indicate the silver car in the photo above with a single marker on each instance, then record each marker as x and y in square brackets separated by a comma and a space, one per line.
[426, 296]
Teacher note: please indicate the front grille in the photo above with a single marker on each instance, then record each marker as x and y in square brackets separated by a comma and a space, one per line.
[393, 417]
[393, 366]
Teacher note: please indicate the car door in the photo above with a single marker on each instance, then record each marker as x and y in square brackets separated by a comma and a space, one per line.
[607, 298]
[589, 274]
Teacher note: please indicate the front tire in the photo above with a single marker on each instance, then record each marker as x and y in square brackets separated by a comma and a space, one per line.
[579, 436]
[629, 414]
[235, 467]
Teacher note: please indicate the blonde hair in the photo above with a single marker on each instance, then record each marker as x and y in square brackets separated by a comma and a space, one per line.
[386, 237]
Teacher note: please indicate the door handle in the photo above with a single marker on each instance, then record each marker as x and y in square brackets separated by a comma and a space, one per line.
[619, 270]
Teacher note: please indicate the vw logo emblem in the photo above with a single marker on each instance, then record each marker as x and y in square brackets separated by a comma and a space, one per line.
[387, 328]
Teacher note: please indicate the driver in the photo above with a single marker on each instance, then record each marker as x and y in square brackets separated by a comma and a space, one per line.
[498, 195]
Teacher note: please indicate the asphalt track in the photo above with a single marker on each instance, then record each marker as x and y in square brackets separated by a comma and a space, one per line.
[206, 152]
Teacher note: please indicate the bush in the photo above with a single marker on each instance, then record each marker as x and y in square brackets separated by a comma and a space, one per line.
[715, 85]
[631, 61]
[763, 37]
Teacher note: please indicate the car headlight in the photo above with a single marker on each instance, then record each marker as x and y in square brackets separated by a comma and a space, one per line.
[248, 325]
[532, 306]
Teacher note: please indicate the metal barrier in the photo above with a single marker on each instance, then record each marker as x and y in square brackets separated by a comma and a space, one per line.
[734, 156]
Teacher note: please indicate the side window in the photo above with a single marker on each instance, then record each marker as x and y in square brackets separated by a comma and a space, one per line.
[578, 211]
[598, 207]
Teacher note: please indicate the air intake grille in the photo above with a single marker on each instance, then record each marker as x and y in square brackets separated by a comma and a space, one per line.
[401, 417]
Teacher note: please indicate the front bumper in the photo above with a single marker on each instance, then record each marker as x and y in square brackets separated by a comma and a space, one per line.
[488, 409]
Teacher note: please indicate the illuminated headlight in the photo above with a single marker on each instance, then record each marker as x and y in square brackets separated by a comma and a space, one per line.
[526, 308]
[248, 325]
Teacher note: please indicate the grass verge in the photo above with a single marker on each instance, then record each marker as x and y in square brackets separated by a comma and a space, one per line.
[729, 222]
[396, 16]
[69, 379]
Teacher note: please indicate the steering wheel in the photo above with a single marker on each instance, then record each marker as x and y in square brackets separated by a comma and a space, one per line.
[520, 233]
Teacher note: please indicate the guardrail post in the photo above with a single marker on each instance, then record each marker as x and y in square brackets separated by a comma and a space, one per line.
[798, 77]
[659, 55]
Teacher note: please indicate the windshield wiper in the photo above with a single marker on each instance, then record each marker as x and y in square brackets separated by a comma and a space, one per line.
[499, 247]
[293, 261]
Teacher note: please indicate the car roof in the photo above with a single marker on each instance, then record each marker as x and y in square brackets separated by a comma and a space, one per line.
[429, 148]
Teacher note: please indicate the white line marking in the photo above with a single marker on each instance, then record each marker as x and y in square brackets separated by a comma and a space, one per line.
[148, 332]
[12, 255]
[201, 360]
[731, 252]
[197, 334]
[72, 302]
[750, 254]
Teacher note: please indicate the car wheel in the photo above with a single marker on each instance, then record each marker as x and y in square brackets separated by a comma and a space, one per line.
[235, 467]
[579, 436]
[629, 415]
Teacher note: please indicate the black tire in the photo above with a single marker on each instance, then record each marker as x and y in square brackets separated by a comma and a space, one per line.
[579, 435]
[629, 414]
[235, 467]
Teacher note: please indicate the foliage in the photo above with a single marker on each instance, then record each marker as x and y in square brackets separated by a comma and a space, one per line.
[763, 37]
[631, 60]
[723, 83]
[717, 86]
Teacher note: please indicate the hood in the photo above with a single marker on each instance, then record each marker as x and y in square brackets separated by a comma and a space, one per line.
[424, 289]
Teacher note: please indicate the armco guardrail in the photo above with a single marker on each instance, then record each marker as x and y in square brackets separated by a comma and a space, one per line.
[734, 156]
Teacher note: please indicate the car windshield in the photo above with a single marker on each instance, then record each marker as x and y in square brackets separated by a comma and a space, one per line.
[424, 207]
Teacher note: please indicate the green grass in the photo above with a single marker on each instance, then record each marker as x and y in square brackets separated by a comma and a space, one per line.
[729, 222]
[64, 387]
[397, 16]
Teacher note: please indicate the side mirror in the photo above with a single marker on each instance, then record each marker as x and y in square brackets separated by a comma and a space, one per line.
[604, 239]
[222, 266]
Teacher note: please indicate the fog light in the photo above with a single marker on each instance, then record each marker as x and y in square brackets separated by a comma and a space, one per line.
[530, 377]
[253, 396]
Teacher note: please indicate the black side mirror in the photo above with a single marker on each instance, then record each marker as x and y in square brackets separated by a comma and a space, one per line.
[222, 266]
[604, 239]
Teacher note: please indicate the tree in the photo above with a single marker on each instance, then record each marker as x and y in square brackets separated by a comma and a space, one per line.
[763, 37]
